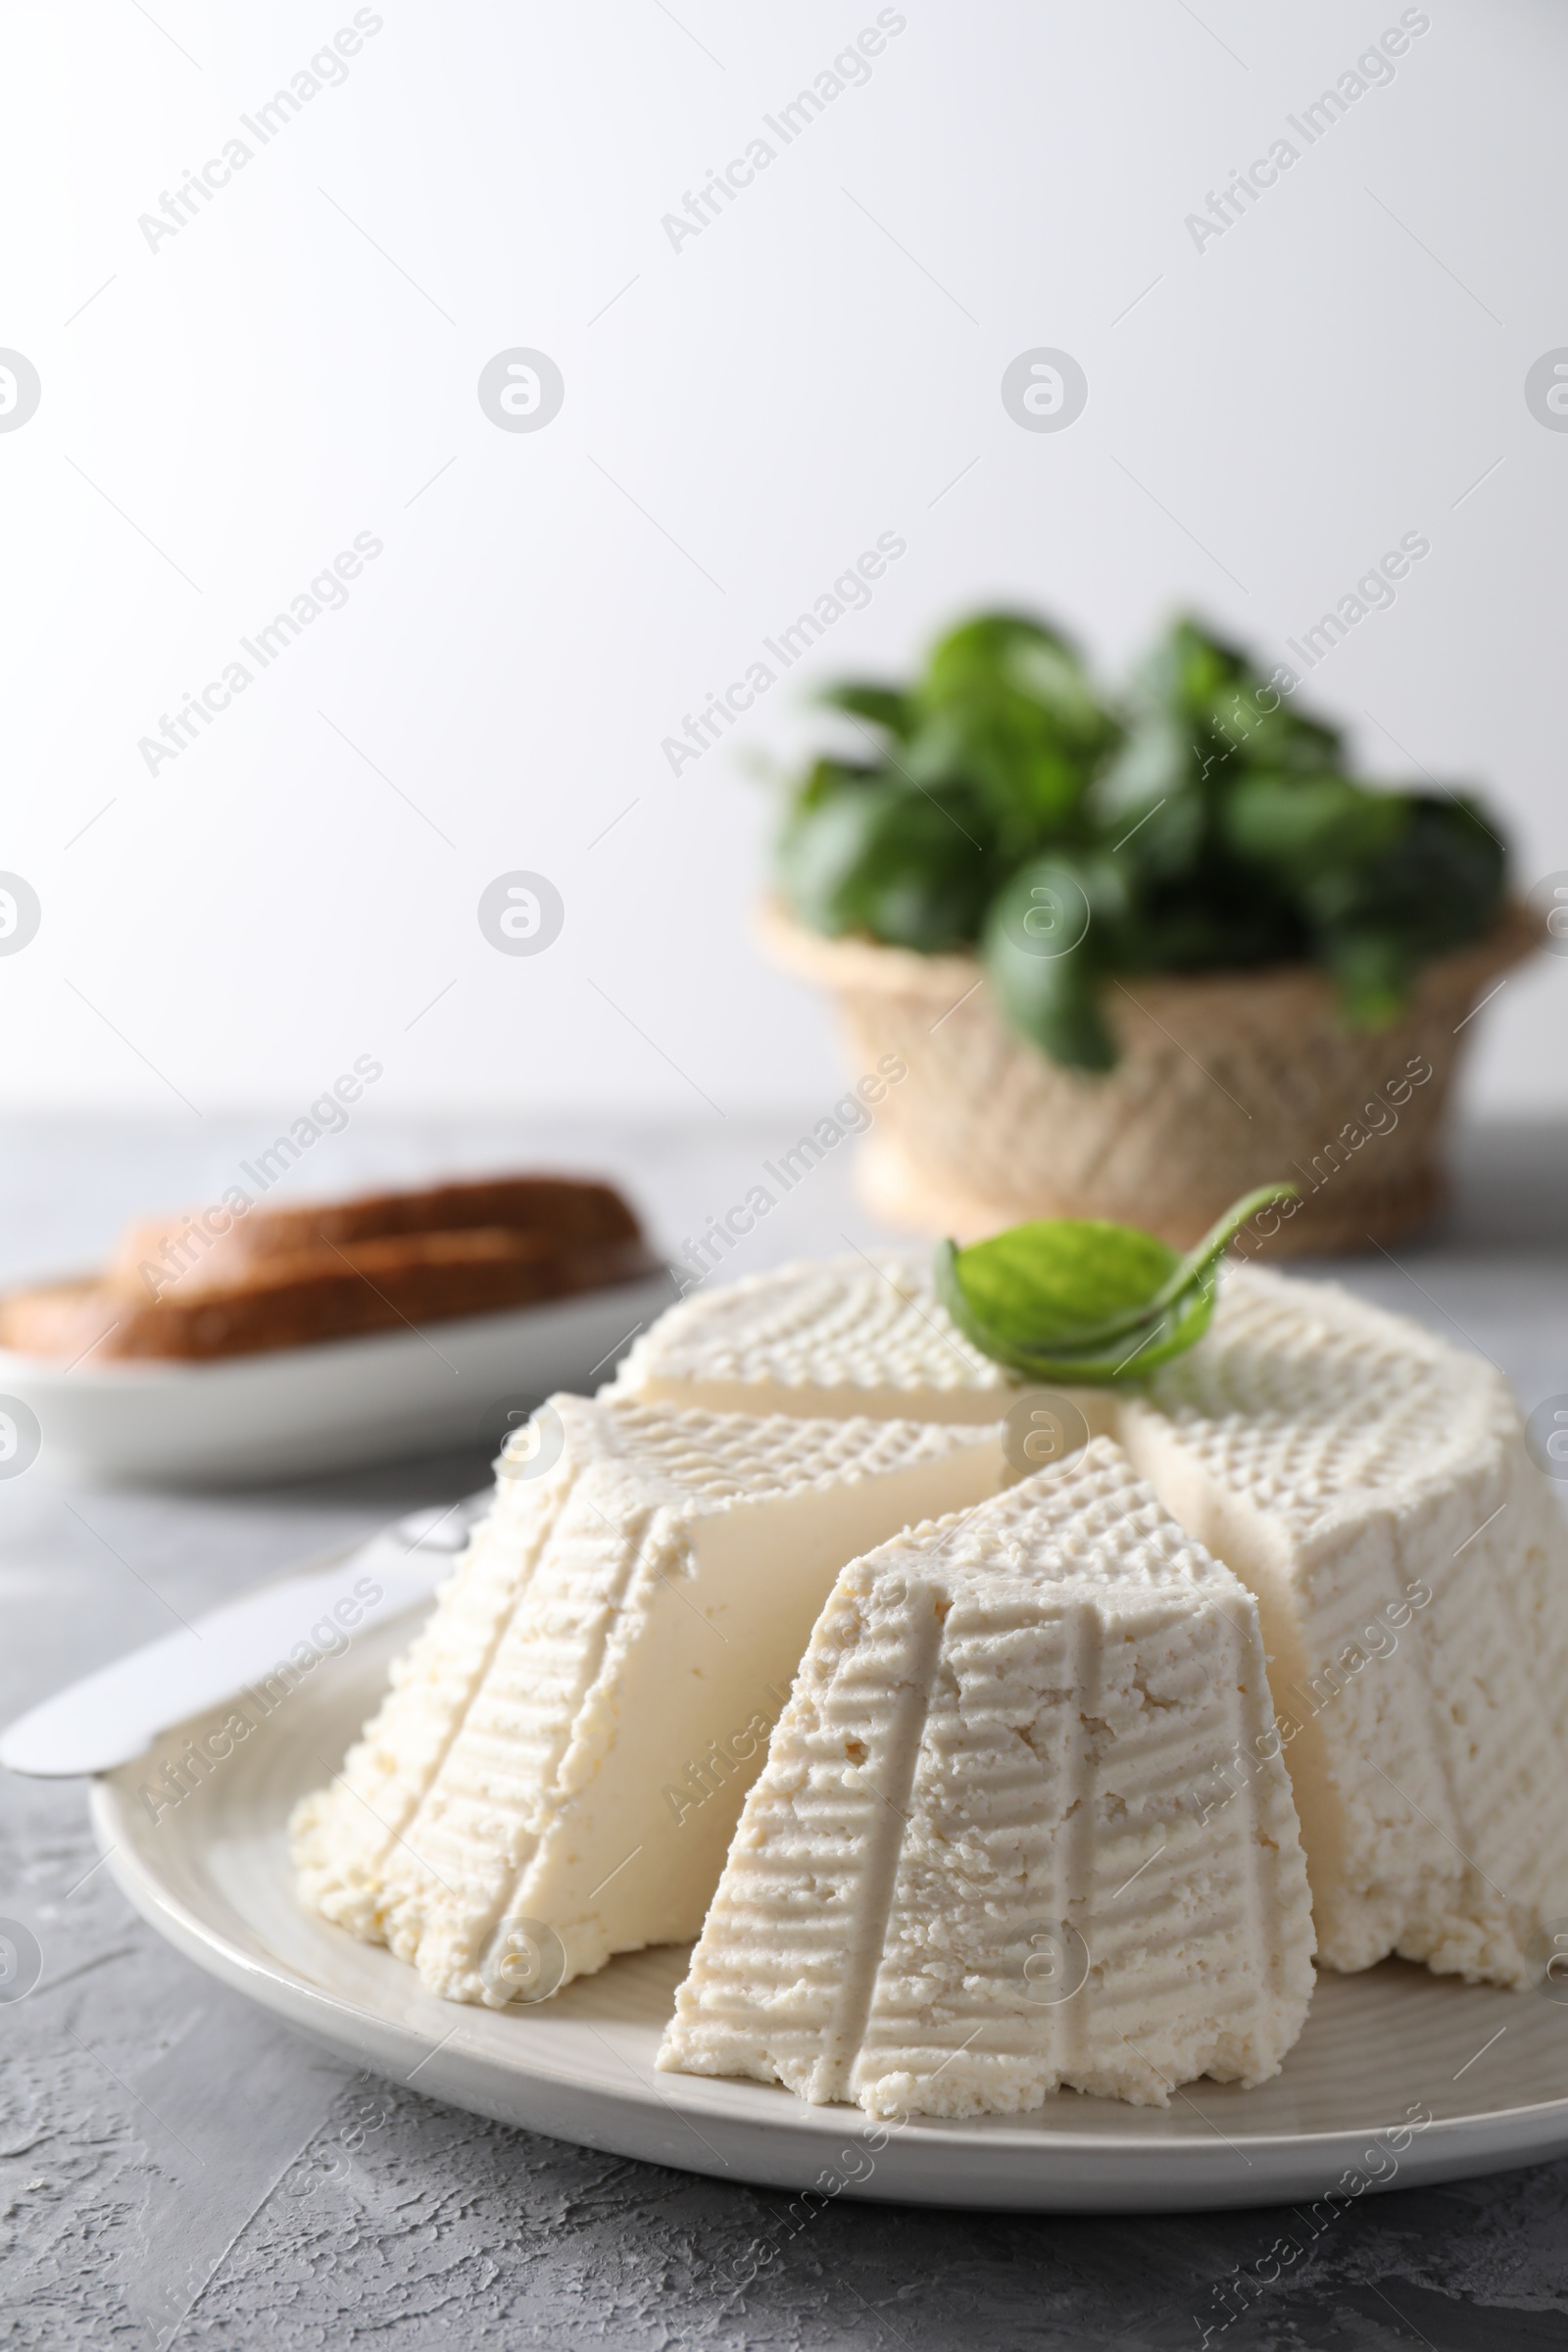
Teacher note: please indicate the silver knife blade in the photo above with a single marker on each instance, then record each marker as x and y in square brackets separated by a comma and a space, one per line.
[115, 1715]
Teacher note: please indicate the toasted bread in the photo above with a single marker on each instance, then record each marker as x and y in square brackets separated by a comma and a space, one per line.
[212, 1250]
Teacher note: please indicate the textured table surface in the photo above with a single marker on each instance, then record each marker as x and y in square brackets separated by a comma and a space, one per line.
[175, 2167]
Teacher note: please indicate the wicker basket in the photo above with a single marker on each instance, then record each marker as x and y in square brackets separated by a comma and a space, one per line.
[1223, 1081]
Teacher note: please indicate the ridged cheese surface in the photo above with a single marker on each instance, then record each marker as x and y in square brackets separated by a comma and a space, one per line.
[1370, 1483]
[561, 1757]
[851, 1335]
[1024, 1825]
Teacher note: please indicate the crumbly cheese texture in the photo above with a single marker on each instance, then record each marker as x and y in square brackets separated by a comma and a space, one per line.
[1370, 1485]
[844, 1335]
[561, 1760]
[1024, 1825]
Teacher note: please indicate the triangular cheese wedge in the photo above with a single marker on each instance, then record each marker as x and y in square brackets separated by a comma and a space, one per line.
[1024, 1825]
[558, 1769]
[1370, 1484]
[842, 1335]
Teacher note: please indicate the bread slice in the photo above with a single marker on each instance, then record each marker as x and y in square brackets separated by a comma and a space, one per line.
[169, 1257]
[219, 1284]
[326, 1293]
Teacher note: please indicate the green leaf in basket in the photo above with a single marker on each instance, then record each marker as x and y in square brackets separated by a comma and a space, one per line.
[1082, 1301]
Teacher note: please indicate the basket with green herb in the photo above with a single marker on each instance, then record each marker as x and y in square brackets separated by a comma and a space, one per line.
[1075, 895]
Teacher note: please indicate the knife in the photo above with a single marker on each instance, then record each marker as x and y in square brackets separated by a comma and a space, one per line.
[115, 1715]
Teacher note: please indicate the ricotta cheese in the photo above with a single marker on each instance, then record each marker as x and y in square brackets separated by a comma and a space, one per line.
[996, 1849]
[1370, 1484]
[559, 1766]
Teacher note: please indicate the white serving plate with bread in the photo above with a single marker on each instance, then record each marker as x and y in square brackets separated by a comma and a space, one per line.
[250, 1341]
[335, 1403]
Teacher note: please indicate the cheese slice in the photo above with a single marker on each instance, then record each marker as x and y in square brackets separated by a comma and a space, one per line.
[846, 1335]
[557, 1771]
[1369, 1482]
[1023, 1824]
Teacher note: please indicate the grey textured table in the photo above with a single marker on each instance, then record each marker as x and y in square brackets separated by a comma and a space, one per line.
[176, 2166]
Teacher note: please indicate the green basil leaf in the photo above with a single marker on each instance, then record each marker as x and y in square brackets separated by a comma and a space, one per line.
[882, 705]
[1048, 934]
[873, 857]
[1085, 1301]
[1153, 1342]
[826, 778]
[1301, 826]
[1020, 673]
[1051, 1288]
[1147, 803]
[1372, 970]
[1055, 1005]
[1008, 707]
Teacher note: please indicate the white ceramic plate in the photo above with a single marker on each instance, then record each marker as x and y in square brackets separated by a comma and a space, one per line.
[1380, 2051]
[293, 1410]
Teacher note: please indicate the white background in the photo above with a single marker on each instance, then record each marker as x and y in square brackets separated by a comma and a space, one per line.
[742, 418]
